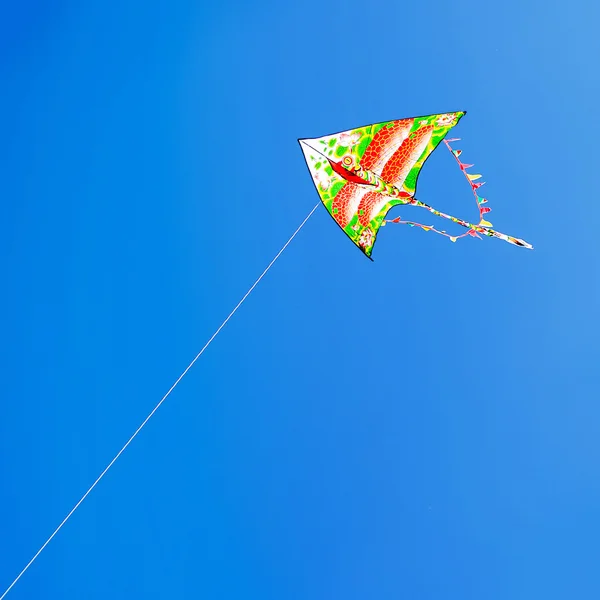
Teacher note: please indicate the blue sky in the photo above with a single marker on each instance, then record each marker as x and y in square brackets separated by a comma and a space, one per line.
[423, 426]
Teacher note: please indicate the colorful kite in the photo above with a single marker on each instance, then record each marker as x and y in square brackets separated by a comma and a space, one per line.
[362, 173]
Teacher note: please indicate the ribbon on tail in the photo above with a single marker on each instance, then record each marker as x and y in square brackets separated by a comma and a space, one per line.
[484, 227]
[452, 238]
[471, 178]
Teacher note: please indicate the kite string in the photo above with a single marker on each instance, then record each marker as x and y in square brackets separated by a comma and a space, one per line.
[137, 431]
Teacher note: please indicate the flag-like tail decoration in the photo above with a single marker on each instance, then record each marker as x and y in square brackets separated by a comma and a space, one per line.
[484, 227]
[360, 174]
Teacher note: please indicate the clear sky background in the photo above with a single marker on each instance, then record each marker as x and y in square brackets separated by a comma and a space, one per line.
[425, 426]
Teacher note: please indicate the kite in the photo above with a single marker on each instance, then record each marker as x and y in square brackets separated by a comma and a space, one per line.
[360, 174]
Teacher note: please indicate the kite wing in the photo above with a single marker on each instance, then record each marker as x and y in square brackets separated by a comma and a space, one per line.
[394, 151]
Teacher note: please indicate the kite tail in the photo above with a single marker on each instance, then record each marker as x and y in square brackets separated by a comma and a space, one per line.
[484, 227]
[452, 238]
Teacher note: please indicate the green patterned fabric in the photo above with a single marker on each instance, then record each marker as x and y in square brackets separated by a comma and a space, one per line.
[360, 174]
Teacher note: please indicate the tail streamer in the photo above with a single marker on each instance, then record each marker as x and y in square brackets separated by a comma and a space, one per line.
[484, 227]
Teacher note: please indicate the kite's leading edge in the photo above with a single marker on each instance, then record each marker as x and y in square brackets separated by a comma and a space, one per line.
[360, 174]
